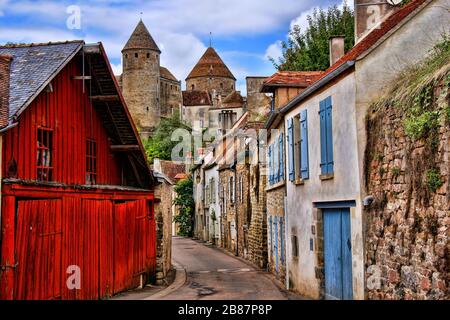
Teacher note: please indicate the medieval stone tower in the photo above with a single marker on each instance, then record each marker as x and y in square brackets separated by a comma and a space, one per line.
[151, 91]
[211, 74]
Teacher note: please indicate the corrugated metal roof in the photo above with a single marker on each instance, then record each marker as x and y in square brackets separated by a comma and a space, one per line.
[32, 67]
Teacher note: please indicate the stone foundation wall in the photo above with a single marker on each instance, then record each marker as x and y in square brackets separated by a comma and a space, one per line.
[257, 234]
[163, 218]
[407, 236]
[275, 208]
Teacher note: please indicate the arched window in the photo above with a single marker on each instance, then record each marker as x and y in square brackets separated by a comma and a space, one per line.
[193, 87]
[148, 55]
[136, 55]
[221, 86]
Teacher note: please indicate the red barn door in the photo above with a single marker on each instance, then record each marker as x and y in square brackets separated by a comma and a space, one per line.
[38, 250]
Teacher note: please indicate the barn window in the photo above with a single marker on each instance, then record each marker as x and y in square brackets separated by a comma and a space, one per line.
[44, 154]
[91, 162]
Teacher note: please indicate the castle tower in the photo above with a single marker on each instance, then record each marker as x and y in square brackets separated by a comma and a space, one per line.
[141, 79]
[212, 75]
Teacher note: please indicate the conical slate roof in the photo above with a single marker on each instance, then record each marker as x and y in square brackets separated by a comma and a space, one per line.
[141, 39]
[210, 65]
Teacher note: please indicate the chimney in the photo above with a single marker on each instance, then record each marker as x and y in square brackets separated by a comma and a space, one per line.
[369, 14]
[5, 65]
[337, 48]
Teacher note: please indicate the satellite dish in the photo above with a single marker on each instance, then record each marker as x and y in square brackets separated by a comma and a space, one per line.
[394, 2]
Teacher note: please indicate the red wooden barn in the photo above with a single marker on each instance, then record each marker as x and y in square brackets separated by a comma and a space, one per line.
[77, 193]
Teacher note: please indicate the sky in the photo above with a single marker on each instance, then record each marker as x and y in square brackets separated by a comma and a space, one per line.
[244, 32]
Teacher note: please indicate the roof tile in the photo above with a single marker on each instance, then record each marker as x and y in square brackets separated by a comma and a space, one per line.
[210, 65]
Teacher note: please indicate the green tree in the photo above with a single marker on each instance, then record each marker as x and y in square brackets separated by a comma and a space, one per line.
[186, 205]
[308, 50]
[160, 144]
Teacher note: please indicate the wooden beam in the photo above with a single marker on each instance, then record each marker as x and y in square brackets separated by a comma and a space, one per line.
[92, 48]
[105, 98]
[82, 77]
[125, 148]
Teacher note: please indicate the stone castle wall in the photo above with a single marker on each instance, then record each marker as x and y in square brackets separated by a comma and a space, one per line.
[170, 97]
[223, 86]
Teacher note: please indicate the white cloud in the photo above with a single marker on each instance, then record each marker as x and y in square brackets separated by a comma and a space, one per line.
[274, 51]
[3, 4]
[176, 25]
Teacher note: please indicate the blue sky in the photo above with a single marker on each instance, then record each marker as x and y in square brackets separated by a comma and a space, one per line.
[245, 32]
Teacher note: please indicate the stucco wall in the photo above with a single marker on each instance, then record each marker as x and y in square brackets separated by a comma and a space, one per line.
[305, 278]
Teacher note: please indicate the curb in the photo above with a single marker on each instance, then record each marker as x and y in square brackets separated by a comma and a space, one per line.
[180, 280]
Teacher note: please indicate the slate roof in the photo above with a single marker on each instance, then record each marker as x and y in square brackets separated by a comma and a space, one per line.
[210, 65]
[295, 79]
[32, 67]
[166, 74]
[196, 98]
[141, 39]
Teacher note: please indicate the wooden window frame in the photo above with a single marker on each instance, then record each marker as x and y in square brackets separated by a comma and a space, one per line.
[91, 162]
[44, 169]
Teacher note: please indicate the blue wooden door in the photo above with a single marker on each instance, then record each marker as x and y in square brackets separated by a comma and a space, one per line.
[338, 254]
[275, 226]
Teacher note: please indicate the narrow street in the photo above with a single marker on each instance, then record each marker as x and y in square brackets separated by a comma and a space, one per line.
[213, 274]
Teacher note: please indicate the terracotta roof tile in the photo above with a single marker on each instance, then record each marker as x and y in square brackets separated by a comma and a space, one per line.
[196, 98]
[166, 74]
[171, 169]
[300, 79]
[210, 65]
[375, 35]
[233, 100]
[141, 39]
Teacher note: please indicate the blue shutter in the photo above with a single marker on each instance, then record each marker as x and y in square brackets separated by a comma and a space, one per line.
[282, 241]
[329, 112]
[323, 137]
[281, 156]
[270, 165]
[290, 148]
[304, 156]
[276, 156]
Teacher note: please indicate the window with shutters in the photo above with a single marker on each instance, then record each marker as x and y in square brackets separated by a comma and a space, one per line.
[326, 139]
[303, 145]
[276, 160]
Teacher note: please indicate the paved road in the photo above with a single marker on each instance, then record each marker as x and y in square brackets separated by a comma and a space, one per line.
[213, 274]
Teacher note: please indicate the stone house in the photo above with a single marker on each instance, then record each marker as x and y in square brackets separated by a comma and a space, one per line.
[166, 173]
[326, 208]
[150, 90]
[283, 86]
